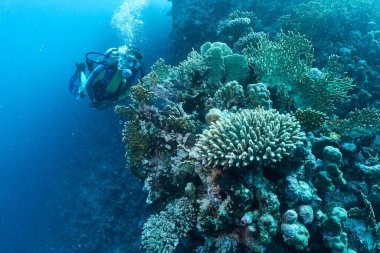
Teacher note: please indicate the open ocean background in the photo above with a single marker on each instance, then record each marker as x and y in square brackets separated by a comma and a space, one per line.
[49, 141]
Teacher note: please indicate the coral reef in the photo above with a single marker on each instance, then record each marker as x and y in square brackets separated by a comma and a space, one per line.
[239, 163]
[219, 136]
[312, 17]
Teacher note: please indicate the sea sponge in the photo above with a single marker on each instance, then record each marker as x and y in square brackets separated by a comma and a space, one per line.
[240, 139]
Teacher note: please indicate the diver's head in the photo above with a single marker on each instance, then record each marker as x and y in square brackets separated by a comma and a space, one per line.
[136, 52]
[130, 57]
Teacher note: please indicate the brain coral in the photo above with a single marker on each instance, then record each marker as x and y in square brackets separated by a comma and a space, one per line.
[239, 139]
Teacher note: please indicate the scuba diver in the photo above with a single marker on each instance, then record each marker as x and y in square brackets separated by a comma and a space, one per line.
[111, 76]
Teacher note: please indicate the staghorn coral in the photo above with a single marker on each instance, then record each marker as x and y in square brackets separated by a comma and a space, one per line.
[163, 231]
[249, 136]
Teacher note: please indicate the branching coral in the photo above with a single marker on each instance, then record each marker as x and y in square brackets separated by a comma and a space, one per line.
[331, 17]
[238, 24]
[284, 61]
[320, 90]
[121, 111]
[141, 95]
[248, 39]
[249, 136]
[310, 119]
[358, 122]
[138, 137]
[289, 61]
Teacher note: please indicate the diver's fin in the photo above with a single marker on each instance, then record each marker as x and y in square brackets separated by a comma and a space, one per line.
[75, 83]
[78, 80]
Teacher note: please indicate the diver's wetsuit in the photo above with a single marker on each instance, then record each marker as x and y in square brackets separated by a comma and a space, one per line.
[111, 85]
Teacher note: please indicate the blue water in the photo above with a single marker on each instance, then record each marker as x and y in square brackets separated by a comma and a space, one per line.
[49, 141]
